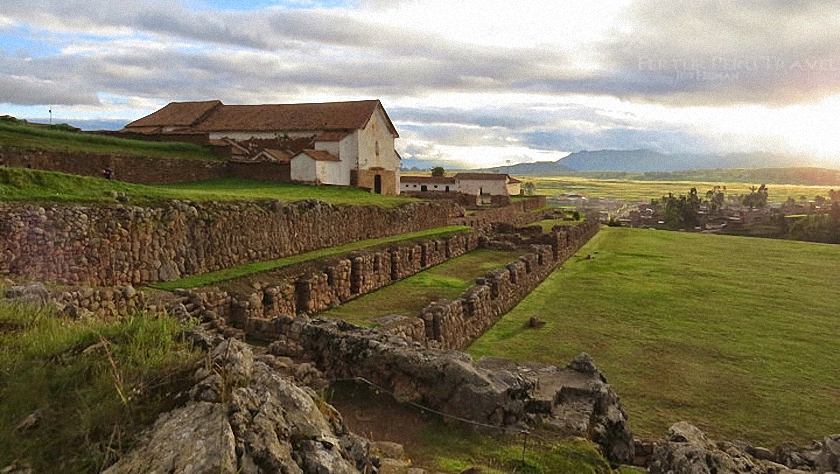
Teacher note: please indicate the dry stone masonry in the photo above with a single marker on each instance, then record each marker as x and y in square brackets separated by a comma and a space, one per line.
[112, 245]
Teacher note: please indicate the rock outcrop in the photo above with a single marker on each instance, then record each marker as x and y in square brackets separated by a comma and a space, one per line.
[577, 400]
[246, 416]
[686, 450]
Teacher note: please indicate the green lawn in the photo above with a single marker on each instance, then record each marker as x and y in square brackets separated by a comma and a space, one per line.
[736, 335]
[21, 184]
[409, 296]
[249, 269]
[18, 134]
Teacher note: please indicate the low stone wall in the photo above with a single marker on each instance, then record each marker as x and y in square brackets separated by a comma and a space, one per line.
[112, 245]
[456, 324]
[82, 301]
[328, 284]
[131, 169]
[514, 214]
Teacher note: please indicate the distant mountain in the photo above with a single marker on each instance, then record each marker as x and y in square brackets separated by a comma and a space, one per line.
[645, 161]
[641, 161]
[538, 168]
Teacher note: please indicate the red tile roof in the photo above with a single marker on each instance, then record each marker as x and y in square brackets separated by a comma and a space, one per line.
[213, 116]
[481, 176]
[175, 114]
[319, 155]
[427, 179]
[331, 137]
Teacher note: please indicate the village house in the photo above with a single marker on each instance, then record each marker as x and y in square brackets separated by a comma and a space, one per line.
[341, 143]
[473, 184]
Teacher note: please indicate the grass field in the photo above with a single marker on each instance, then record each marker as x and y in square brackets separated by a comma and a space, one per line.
[20, 184]
[249, 269]
[735, 335]
[635, 190]
[18, 134]
[409, 296]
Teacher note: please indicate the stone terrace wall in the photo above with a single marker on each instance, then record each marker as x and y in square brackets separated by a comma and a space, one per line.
[261, 313]
[517, 213]
[131, 169]
[455, 324]
[112, 245]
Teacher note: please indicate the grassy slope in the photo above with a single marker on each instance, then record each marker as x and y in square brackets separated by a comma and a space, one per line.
[18, 134]
[253, 268]
[409, 296]
[19, 184]
[735, 335]
[636, 190]
[95, 385]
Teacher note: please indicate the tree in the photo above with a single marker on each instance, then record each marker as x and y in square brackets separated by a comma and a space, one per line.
[530, 188]
[438, 171]
[757, 198]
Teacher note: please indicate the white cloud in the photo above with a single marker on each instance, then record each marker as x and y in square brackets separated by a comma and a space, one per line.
[525, 80]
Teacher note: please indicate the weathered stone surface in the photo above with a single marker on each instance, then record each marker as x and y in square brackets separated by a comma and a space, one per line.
[829, 457]
[246, 416]
[686, 450]
[489, 392]
[195, 439]
[33, 293]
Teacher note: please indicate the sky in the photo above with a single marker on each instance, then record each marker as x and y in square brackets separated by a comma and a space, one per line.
[467, 83]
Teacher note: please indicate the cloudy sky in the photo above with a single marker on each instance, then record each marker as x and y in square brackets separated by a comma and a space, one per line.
[468, 82]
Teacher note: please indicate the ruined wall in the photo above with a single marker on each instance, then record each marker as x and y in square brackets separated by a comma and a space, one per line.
[111, 245]
[266, 312]
[520, 212]
[260, 313]
[131, 169]
[455, 324]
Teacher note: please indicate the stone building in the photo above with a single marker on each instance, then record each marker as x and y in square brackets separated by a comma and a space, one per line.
[342, 143]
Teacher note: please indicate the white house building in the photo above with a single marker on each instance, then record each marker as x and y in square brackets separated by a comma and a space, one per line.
[474, 184]
[343, 143]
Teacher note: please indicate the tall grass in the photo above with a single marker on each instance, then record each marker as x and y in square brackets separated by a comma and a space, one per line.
[91, 385]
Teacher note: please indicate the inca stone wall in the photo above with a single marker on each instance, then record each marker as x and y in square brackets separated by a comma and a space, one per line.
[266, 313]
[112, 245]
[518, 213]
[329, 284]
[455, 324]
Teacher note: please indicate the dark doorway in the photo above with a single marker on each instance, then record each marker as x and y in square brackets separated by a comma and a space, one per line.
[423, 188]
[447, 189]
[377, 184]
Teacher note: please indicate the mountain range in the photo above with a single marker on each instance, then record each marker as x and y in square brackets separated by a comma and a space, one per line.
[641, 161]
